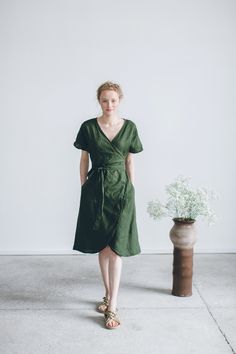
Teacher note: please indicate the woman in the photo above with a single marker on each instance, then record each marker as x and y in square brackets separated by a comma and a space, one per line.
[107, 217]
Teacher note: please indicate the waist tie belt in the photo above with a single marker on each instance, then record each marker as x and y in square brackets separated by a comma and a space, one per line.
[120, 165]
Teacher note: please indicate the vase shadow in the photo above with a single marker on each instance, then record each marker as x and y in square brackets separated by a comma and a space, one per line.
[152, 289]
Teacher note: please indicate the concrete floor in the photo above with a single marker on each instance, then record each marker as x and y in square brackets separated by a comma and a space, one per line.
[47, 305]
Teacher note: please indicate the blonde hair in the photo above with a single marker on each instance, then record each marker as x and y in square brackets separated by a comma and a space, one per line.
[109, 85]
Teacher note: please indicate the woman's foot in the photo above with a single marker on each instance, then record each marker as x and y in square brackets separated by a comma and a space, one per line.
[111, 319]
[103, 306]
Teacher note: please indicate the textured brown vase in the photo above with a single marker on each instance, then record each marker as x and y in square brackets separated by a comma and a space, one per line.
[183, 237]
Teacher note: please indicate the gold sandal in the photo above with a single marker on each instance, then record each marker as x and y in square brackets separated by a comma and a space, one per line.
[102, 307]
[111, 316]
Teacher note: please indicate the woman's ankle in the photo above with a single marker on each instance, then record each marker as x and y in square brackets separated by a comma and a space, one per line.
[112, 307]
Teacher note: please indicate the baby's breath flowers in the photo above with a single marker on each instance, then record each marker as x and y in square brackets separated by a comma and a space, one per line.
[184, 203]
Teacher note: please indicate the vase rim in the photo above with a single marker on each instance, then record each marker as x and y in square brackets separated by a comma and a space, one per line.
[184, 220]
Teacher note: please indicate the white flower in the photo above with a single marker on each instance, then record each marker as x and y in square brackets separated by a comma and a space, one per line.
[184, 202]
[155, 209]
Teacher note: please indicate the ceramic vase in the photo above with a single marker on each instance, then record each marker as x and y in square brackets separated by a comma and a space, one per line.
[183, 237]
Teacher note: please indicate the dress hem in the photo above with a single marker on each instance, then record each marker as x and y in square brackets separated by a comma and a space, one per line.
[121, 255]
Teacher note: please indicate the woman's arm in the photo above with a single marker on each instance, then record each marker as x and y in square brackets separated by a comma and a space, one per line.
[129, 163]
[84, 165]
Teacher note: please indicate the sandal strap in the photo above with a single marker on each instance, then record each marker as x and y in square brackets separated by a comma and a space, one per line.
[105, 300]
[110, 315]
[105, 303]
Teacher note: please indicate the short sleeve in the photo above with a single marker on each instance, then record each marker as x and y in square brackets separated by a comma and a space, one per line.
[81, 141]
[135, 145]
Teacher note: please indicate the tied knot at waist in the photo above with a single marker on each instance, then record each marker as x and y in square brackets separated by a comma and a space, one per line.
[100, 169]
[111, 165]
[119, 165]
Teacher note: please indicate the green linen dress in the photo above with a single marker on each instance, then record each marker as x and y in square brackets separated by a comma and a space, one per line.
[107, 212]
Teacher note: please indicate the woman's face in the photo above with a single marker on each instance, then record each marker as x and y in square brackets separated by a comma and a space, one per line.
[109, 101]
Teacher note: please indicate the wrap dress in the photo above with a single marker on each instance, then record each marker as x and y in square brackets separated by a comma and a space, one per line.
[107, 212]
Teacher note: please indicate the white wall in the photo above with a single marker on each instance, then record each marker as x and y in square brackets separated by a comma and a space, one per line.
[176, 63]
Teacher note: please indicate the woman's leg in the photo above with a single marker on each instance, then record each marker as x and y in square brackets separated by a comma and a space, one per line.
[111, 266]
[103, 257]
[114, 272]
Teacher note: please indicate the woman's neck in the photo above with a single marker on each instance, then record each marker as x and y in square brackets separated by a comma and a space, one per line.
[109, 119]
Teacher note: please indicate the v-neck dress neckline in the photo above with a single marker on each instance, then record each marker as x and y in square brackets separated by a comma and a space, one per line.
[100, 129]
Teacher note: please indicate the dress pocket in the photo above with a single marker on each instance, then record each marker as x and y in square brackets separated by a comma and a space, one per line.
[84, 184]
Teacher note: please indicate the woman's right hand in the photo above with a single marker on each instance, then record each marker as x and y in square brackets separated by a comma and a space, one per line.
[83, 183]
[84, 165]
